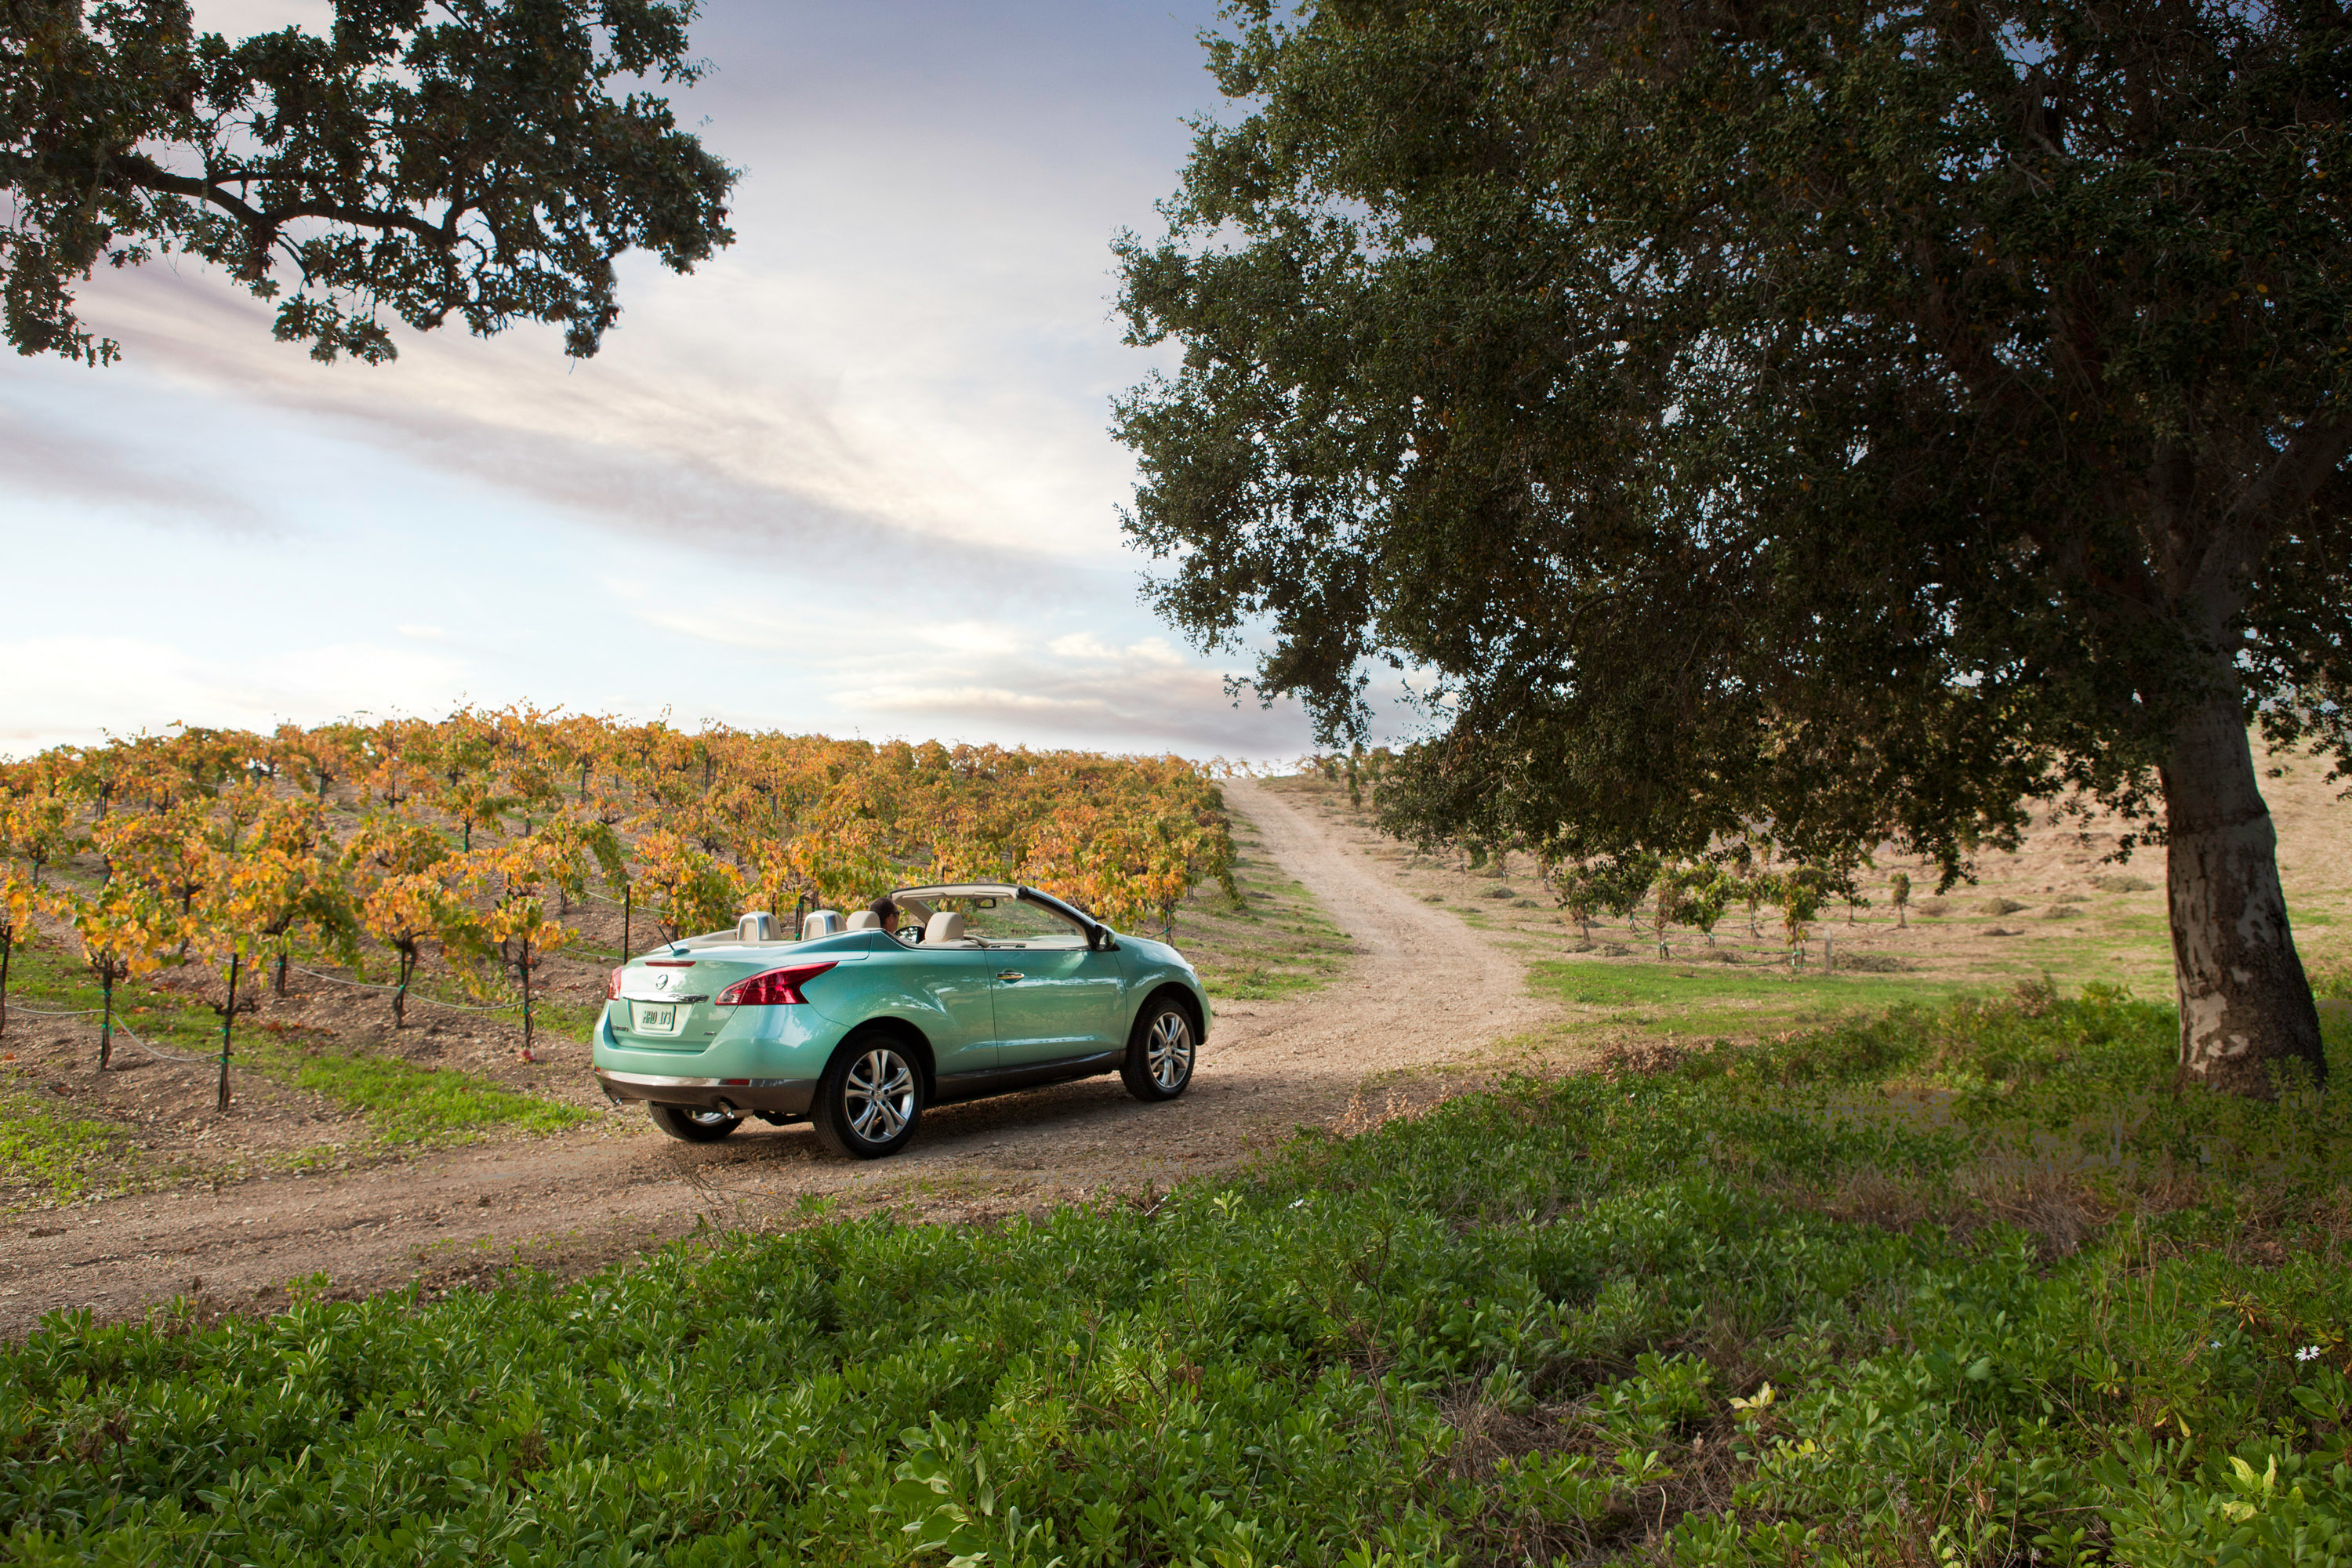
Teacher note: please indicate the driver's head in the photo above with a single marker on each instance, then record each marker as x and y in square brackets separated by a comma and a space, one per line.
[886, 909]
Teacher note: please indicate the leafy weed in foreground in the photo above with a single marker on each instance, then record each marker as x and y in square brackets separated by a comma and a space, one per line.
[1619, 1318]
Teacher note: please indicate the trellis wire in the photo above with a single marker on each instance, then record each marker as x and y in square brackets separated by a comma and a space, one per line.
[412, 995]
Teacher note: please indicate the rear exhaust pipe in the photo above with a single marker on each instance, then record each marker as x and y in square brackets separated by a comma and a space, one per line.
[727, 1106]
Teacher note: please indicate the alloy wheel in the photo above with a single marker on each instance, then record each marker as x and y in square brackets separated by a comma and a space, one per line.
[878, 1095]
[1168, 1055]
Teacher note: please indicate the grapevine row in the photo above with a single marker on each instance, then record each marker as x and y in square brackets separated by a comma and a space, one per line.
[470, 838]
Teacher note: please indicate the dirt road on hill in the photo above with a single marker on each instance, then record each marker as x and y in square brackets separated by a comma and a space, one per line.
[1423, 989]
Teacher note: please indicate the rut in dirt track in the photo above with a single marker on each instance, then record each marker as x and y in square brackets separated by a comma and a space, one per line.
[1423, 989]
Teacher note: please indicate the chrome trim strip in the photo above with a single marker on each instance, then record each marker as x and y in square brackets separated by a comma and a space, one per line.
[656, 1080]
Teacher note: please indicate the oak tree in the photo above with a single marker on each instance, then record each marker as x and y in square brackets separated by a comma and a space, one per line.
[486, 160]
[1843, 422]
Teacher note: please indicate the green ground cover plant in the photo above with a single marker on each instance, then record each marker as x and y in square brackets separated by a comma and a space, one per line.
[49, 1148]
[407, 1103]
[1958, 1284]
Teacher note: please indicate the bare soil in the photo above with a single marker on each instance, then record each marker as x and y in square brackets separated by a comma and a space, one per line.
[1421, 989]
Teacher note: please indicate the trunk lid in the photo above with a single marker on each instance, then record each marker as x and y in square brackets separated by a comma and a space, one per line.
[670, 998]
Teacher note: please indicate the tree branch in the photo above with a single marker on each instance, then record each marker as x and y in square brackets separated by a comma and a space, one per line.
[2313, 453]
[145, 173]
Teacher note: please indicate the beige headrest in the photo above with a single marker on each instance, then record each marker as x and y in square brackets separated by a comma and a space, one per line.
[865, 920]
[821, 922]
[943, 928]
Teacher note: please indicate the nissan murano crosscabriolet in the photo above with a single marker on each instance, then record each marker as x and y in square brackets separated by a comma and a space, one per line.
[984, 987]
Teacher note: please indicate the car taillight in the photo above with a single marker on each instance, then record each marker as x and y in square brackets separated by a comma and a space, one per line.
[613, 987]
[777, 988]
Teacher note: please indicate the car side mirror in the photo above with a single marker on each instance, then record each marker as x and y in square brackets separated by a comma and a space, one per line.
[1100, 940]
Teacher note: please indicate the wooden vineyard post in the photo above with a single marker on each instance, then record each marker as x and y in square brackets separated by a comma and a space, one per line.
[228, 1021]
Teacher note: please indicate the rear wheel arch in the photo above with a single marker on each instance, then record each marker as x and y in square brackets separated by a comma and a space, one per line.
[906, 1034]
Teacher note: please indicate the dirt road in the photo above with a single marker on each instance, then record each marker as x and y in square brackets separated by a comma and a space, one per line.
[1423, 989]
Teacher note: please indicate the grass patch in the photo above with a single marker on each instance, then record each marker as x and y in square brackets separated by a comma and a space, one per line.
[1948, 1284]
[407, 1103]
[48, 1148]
[1696, 998]
[1274, 942]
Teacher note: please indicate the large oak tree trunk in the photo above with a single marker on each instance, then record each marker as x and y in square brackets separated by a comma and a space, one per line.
[2244, 1000]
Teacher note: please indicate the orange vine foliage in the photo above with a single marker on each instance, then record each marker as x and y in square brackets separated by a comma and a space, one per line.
[473, 835]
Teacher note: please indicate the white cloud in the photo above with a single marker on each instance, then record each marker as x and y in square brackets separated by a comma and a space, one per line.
[66, 688]
[1091, 649]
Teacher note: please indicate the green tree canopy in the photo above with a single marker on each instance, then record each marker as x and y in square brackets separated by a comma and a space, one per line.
[467, 158]
[1844, 422]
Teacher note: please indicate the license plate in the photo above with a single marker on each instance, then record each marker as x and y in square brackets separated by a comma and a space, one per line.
[660, 1020]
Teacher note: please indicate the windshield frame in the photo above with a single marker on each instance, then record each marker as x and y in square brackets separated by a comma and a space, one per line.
[1094, 930]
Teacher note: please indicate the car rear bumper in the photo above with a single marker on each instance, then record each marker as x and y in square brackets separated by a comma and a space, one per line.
[775, 1096]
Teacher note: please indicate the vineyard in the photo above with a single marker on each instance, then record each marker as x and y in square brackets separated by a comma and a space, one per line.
[462, 856]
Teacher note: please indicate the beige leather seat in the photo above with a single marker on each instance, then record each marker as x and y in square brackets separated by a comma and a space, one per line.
[943, 930]
[821, 922]
[865, 920]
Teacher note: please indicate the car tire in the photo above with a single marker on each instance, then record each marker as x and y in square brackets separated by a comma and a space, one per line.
[1161, 1050]
[693, 1123]
[869, 1099]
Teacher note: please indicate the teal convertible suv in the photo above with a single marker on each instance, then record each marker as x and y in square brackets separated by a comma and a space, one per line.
[984, 987]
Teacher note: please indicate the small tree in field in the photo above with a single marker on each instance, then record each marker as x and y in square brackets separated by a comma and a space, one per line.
[18, 899]
[1623, 882]
[314, 911]
[1898, 893]
[37, 827]
[517, 880]
[686, 889]
[41, 827]
[400, 876]
[124, 932]
[1666, 896]
[1579, 889]
[404, 914]
[1705, 897]
[1800, 891]
[1845, 881]
[265, 888]
[242, 890]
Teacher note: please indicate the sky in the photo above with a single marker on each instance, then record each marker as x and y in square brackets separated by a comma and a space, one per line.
[853, 476]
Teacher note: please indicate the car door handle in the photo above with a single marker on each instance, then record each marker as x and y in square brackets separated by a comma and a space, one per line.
[1011, 975]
